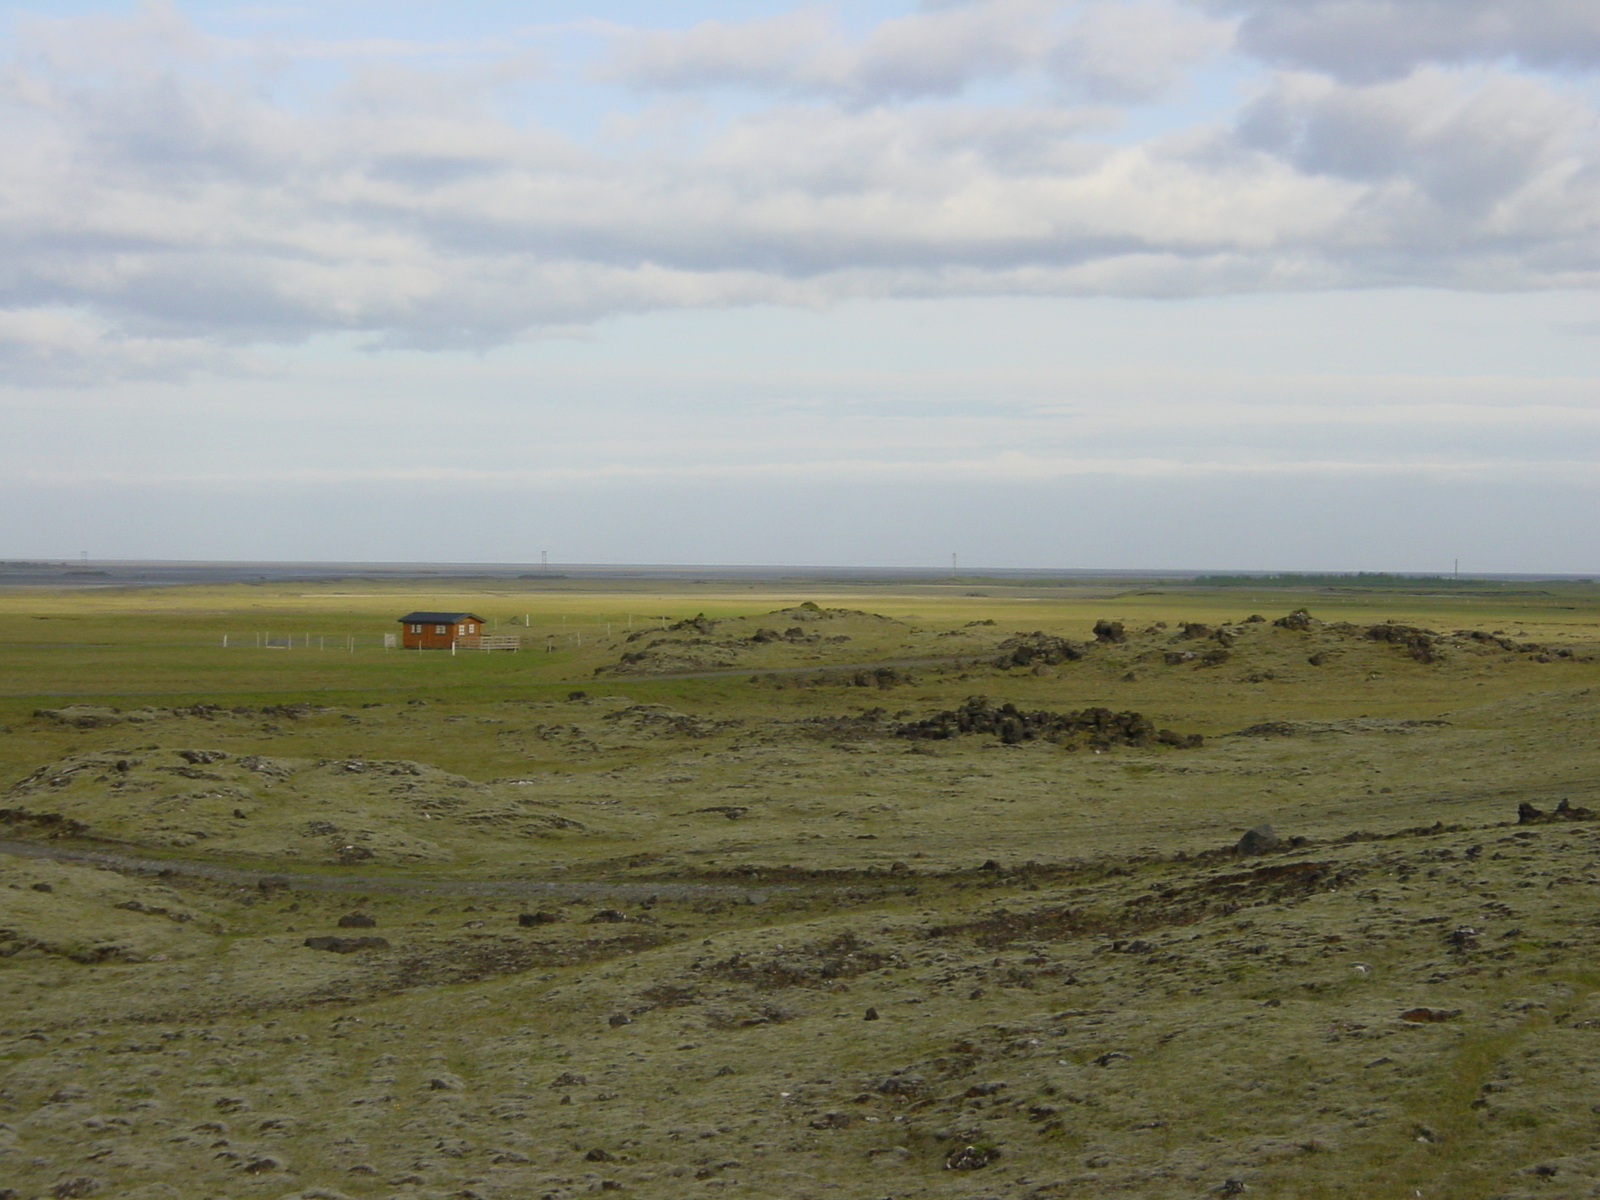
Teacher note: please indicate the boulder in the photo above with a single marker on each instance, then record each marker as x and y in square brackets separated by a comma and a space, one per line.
[971, 1158]
[201, 758]
[1038, 649]
[1420, 644]
[1259, 840]
[1429, 1016]
[1527, 814]
[1098, 727]
[347, 945]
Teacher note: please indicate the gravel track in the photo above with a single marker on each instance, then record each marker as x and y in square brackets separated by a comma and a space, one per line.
[113, 860]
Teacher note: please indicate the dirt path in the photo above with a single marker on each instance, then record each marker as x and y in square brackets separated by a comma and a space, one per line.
[813, 669]
[353, 881]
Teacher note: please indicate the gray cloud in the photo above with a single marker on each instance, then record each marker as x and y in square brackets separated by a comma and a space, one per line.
[1369, 40]
[1506, 146]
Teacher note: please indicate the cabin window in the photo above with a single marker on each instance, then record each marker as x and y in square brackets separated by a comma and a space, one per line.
[461, 629]
[441, 629]
[416, 629]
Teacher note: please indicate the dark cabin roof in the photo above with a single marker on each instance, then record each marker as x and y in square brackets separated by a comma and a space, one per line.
[437, 618]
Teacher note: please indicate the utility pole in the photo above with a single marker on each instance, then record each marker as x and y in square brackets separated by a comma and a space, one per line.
[544, 560]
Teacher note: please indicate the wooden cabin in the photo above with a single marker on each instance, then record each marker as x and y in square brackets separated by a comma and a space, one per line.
[439, 630]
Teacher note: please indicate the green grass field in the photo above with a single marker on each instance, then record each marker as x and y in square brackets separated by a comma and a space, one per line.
[729, 848]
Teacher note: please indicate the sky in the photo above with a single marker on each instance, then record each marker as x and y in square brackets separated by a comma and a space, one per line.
[1142, 284]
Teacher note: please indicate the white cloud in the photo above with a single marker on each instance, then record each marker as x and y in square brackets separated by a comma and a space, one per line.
[45, 346]
[1132, 51]
[161, 196]
[1107, 49]
[1008, 467]
[762, 53]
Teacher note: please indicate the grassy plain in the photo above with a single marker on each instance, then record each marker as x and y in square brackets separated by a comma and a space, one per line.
[772, 945]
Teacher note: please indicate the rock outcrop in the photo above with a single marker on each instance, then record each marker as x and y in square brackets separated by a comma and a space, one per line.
[1098, 728]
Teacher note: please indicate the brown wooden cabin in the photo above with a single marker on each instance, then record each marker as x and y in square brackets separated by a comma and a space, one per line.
[439, 630]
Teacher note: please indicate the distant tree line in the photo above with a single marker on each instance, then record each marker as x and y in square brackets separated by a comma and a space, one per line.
[1358, 579]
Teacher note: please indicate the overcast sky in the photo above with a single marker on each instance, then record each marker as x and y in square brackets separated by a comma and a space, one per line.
[1273, 284]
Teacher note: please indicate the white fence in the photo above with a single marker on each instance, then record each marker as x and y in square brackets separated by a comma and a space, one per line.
[340, 642]
[550, 636]
[349, 643]
[490, 641]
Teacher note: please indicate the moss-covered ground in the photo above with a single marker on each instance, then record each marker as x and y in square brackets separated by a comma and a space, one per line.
[721, 889]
